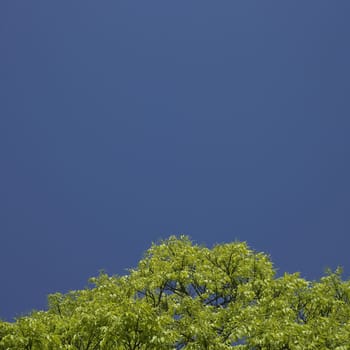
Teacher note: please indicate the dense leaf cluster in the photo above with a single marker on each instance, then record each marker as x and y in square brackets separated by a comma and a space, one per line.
[185, 296]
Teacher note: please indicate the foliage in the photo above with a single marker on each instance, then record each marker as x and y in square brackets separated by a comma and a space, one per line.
[185, 296]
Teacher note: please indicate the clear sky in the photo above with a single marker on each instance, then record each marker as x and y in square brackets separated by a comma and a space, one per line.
[123, 122]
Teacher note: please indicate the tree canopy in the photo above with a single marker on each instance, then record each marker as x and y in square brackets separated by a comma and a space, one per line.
[186, 296]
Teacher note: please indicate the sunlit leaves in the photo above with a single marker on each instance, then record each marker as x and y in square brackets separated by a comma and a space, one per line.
[185, 296]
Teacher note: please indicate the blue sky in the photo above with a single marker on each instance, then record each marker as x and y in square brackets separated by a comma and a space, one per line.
[123, 122]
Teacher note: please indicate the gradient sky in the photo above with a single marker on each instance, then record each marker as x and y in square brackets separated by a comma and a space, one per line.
[123, 122]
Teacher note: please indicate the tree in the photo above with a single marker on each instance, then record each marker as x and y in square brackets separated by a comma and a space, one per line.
[186, 296]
